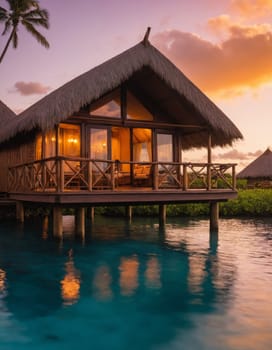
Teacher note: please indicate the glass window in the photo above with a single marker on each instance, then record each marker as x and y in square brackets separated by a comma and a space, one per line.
[136, 110]
[108, 106]
[69, 140]
[142, 150]
[165, 147]
[120, 147]
[39, 147]
[99, 143]
[50, 144]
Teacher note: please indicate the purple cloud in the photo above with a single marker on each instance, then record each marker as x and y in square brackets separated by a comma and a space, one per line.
[31, 88]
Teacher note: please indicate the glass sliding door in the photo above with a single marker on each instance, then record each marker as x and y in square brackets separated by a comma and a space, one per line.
[168, 173]
[69, 140]
[98, 144]
[142, 153]
[99, 153]
[120, 147]
[165, 148]
[142, 149]
[69, 145]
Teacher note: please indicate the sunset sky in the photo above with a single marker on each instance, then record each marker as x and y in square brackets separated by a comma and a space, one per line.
[224, 47]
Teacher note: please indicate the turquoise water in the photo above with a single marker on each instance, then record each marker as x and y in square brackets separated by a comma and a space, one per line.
[136, 286]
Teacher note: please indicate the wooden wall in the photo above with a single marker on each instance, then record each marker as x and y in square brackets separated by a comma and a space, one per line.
[13, 154]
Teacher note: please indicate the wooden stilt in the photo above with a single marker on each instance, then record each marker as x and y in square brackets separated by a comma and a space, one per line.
[57, 222]
[162, 214]
[91, 214]
[80, 222]
[45, 225]
[214, 216]
[129, 212]
[20, 214]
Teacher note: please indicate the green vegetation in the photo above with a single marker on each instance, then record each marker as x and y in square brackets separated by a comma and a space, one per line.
[255, 202]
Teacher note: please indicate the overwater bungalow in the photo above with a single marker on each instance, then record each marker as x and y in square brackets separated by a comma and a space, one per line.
[115, 135]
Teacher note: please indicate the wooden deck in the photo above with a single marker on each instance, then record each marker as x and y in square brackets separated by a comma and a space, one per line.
[124, 197]
[81, 181]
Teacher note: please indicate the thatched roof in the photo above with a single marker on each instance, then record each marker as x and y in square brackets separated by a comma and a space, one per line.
[6, 114]
[261, 167]
[149, 73]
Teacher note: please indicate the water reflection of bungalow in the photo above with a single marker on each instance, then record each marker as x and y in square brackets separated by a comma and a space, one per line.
[196, 279]
[115, 135]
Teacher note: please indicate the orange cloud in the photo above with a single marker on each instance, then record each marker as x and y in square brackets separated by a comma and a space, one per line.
[225, 27]
[252, 8]
[242, 60]
[30, 88]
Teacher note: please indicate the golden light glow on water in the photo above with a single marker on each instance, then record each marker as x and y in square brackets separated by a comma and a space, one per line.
[129, 275]
[2, 280]
[102, 283]
[70, 284]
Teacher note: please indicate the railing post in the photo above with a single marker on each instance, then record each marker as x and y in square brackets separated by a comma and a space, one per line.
[60, 174]
[9, 180]
[23, 178]
[90, 175]
[156, 176]
[112, 172]
[185, 178]
[233, 177]
[43, 174]
[209, 179]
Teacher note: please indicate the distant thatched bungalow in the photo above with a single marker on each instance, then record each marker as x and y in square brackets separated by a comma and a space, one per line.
[259, 172]
[115, 135]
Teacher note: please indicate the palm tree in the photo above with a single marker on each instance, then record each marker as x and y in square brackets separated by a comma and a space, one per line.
[30, 15]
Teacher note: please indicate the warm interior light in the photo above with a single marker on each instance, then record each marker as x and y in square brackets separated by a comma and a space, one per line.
[72, 140]
[53, 139]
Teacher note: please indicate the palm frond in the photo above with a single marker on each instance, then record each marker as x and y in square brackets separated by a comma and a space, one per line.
[3, 12]
[24, 5]
[37, 21]
[29, 14]
[7, 27]
[39, 37]
[37, 13]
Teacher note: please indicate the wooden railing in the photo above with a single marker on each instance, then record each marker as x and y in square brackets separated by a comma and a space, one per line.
[62, 174]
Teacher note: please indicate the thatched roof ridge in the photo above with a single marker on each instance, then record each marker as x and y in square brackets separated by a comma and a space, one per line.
[261, 167]
[68, 99]
[6, 114]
